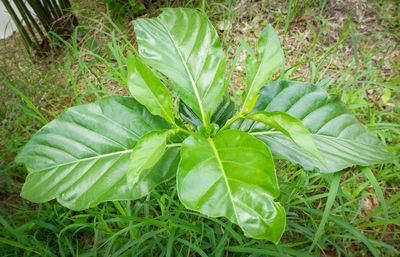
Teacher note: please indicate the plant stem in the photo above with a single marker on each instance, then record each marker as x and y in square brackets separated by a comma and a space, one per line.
[238, 116]
[26, 39]
[173, 145]
[183, 130]
[32, 20]
[121, 210]
[24, 17]
[43, 15]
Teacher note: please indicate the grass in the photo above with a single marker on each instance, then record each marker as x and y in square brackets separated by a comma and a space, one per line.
[349, 49]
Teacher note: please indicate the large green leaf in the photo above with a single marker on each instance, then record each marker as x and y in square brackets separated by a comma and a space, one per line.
[339, 136]
[259, 70]
[232, 175]
[183, 45]
[147, 89]
[81, 157]
[146, 153]
[291, 127]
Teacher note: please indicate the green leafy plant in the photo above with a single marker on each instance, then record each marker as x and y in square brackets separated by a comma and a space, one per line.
[223, 159]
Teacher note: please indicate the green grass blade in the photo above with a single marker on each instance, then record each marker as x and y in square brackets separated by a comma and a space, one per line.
[170, 244]
[193, 247]
[239, 249]
[28, 102]
[379, 223]
[12, 231]
[331, 199]
[270, 250]
[16, 244]
[373, 83]
[346, 226]
[368, 173]
[244, 44]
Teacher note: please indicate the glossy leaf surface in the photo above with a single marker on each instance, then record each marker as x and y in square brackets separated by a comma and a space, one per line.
[342, 140]
[223, 112]
[291, 127]
[183, 45]
[259, 70]
[148, 90]
[188, 115]
[81, 157]
[232, 175]
[146, 153]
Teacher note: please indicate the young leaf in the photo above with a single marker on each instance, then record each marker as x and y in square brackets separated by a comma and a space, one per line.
[148, 90]
[224, 111]
[259, 71]
[342, 140]
[291, 127]
[164, 170]
[81, 157]
[146, 153]
[232, 175]
[187, 114]
[183, 45]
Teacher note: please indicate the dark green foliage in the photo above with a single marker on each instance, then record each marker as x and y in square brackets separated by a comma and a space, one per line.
[125, 9]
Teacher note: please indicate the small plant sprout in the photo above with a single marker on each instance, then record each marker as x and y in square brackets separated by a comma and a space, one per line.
[222, 158]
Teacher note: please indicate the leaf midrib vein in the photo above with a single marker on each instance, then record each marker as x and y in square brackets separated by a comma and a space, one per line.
[211, 142]
[254, 79]
[155, 95]
[188, 72]
[85, 159]
[87, 189]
